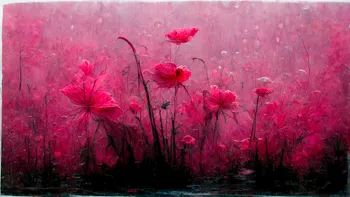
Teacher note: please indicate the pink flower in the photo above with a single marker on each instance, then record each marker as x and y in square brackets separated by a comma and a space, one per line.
[135, 105]
[167, 75]
[221, 148]
[57, 154]
[262, 92]
[221, 100]
[179, 36]
[87, 93]
[188, 140]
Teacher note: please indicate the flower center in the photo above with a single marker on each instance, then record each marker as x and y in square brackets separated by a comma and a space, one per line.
[178, 72]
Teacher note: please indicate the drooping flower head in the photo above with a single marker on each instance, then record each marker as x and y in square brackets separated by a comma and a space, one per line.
[179, 36]
[188, 140]
[262, 92]
[87, 93]
[220, 99]
[168, 75]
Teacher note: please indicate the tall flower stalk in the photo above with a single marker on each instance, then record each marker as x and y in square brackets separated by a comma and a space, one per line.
[156, 142]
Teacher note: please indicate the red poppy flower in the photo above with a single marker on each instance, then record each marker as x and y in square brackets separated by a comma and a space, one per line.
[179, 36]
[262, 92]
[221, 100]
[188, 139]
[167, 75]
[87, 93]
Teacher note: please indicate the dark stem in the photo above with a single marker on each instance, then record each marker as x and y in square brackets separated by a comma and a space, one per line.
[143, 131]
[46, 128]
[156, 142]
[267, 152]
[308, 56]
[129, 147]
[205, 67]
[20, 70]
[173, 127]
[162, 130]
[282, 155]
[215, 127]
[252, 134]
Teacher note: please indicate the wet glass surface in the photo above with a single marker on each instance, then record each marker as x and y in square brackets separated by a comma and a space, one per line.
[175, 98]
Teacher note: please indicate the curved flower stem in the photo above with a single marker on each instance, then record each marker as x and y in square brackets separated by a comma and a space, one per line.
[156, 142]
[205, 67]
[252, 134]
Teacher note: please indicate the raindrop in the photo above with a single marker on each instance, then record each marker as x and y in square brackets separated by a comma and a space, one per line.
[220, 67]
[237, 5]
[225, 3]
[257, 43]
[224, 53]
[157, 24]
[306, 6]
[264, 79]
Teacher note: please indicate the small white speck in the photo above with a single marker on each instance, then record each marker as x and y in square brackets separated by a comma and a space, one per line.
[224, 53]
[257, 43]
[306, 6]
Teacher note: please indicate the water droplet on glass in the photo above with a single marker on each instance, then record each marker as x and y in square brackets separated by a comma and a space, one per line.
[224, 53]
[257, 43]
[157, 24]
[306, 6]
[220, 67]
[225, 3]
[277, 39]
